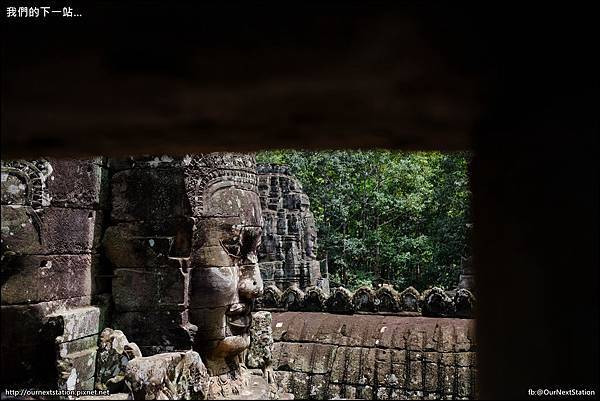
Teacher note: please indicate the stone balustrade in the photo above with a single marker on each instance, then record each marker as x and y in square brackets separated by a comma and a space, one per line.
[434, 302]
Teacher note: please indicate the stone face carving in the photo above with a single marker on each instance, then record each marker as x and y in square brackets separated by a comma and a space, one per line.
[288, 254]
[224, 276]
[387, 299]
[185, 233]
[167, 376]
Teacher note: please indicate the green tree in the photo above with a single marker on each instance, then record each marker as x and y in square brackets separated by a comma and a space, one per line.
[397, 216]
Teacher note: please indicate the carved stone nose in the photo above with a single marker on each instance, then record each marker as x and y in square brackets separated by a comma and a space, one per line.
[251, 284]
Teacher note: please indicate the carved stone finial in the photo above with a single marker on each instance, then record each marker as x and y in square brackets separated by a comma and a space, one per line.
[435, 302]
[364, 299]
[340, 301]
[409, 300]
[271, 298]
[387, 299]
[293, 299]
[314, 299]
[464, 303]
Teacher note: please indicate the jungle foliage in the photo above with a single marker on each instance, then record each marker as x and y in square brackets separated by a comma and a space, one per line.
[397, 217]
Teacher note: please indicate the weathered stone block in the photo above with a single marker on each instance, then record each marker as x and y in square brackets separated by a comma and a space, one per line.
[32, 318]
[154, 289]
[32, 278]
[158, 193]
[383, 393]
[31, 342]
[338, 367]
[260, 353]
[164, 328]
[353, 367]
[75, 369]
[431, 375]
[147, 244]
[293, 356]
[415, 368]
[81, 344]
[446, 341]
[75, 323]
[447, 372]
[101, 275]
[50, 231]
[77, 183]
[463, 339]
[365, 392]
[415, 340]
[317, 386]
[463, 381]
[368, 373]
[300, 385]
[334, 391]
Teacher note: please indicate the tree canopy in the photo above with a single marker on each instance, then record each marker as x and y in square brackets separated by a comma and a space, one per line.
[400, 217]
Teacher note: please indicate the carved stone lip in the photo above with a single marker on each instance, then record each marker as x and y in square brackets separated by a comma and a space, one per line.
[239, 316]
[239, 321]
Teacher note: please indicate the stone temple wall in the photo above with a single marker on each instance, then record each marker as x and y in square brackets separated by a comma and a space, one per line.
[96, 243]
[52, 215]
[148, 232]
[327, 356]
[287, 254]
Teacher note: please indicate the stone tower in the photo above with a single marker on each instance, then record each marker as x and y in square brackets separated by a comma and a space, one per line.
[288, 252]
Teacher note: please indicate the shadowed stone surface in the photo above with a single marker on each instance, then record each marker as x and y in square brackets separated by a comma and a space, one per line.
[31, 279]
[60, 230]
[113, 355]
[52, 215]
